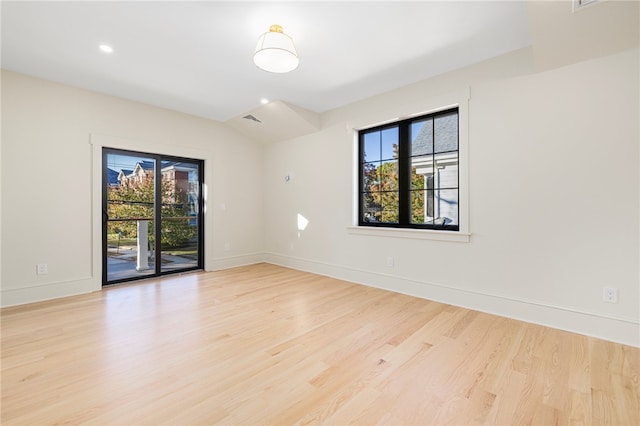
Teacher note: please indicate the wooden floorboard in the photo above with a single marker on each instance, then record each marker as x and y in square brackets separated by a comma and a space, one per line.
[267, 345]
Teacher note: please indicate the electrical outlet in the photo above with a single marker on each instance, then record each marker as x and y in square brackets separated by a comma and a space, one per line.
[610, 295]
[227, 246]
[42, 269]
[390, 261]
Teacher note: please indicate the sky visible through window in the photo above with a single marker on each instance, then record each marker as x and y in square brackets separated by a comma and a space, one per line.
[379, 146]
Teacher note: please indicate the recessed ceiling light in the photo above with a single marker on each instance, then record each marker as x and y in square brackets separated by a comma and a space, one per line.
[264, 101]
[106, 48]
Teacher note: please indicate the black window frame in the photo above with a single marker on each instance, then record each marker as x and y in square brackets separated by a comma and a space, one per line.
[404, 159]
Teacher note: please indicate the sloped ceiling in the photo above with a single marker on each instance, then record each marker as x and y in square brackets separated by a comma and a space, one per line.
[276, 121]
[195, 57]
[562, 35]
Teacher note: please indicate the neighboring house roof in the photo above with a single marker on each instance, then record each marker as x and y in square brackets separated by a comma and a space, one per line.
[446, 133]
[150, 165]
[112, 177]
[146, 165]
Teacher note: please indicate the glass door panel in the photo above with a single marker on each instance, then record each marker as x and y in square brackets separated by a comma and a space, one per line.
[130, 217]
[180, 215]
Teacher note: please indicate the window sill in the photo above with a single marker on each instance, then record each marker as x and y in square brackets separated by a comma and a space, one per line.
[417, 234]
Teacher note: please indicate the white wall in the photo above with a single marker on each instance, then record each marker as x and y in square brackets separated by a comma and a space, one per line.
[554, 192]
[49, 187]
[554, 197]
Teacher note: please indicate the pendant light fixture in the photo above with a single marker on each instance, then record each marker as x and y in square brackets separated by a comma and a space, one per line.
[275, 51]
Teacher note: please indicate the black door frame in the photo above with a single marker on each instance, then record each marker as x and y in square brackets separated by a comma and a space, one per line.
[157, 175]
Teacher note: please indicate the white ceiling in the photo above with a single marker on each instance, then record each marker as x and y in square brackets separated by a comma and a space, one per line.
[195, 57]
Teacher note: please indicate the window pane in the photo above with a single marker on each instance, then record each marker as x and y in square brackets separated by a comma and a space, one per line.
[446, 206]
[370, 177]
[131, 188]
[421, 206]
[130, 192]
[446, 132]
[418, 181]
[371, 146]
[371, 209]
[179, 243]
[446, 175]
[389, 176]
[130, 249]
[126, 208]
[390, 143]
[421, 169]
[389, 202]
[180, 194]
[422, 137]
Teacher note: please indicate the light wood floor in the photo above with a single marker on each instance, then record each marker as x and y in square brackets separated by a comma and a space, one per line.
[269, 345]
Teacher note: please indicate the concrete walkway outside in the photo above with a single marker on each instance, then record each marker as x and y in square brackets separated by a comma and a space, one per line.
[121, 264]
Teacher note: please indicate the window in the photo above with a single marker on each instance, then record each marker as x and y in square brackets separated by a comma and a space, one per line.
[409, 175]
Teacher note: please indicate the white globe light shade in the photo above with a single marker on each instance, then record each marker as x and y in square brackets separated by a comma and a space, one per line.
[276, 52]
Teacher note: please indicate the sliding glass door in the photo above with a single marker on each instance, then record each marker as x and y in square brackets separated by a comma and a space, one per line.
[180, 215]
[152, 215]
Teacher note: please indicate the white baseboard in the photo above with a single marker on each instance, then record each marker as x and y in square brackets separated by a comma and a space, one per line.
[42, 292]
[48, 291]
[235, 261]
[619, 330]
